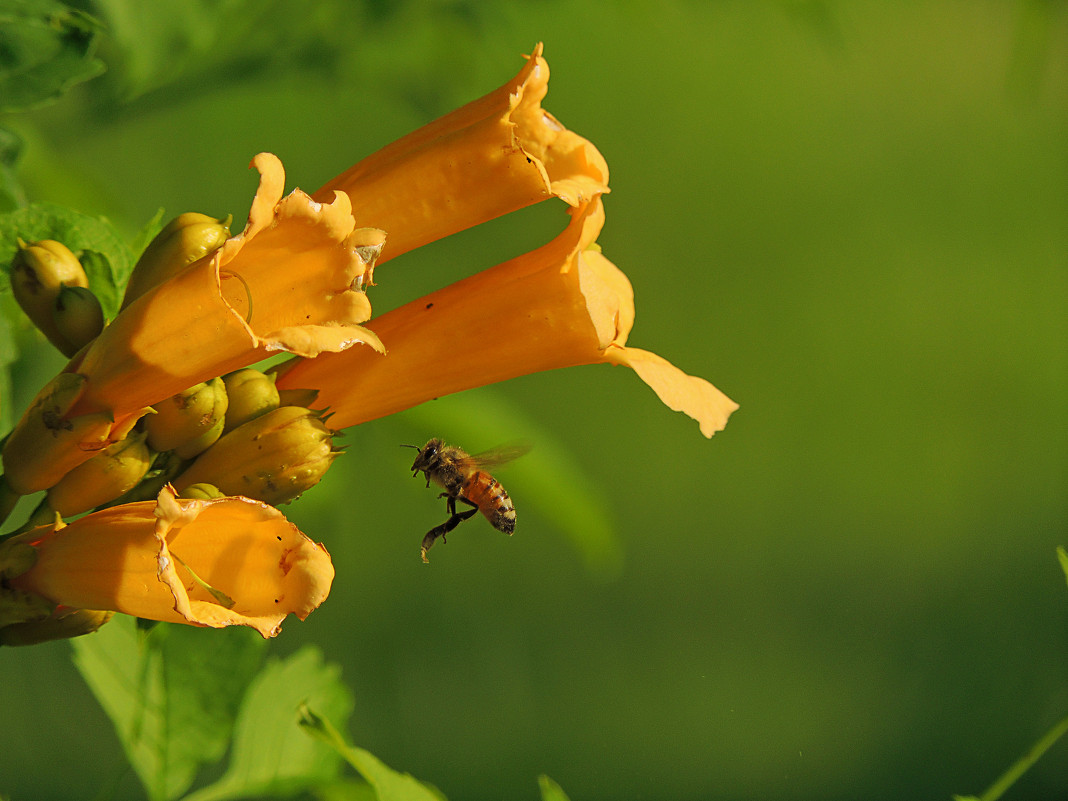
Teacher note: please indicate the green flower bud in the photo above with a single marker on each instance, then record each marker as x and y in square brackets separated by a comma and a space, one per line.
[113, 471]
[38, 272]
[189, 422]
[187, 238]
[273, 458]
[74, 623]
[251, 393]
[201, 492]
[78, 316]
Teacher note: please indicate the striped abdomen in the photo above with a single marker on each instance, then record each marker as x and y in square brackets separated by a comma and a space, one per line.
[486, 491]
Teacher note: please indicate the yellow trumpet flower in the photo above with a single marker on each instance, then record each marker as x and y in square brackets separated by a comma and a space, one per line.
[490, 157]
[220, 562]
[561, 305]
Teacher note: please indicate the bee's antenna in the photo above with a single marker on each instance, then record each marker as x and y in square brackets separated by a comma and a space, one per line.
[411, 446]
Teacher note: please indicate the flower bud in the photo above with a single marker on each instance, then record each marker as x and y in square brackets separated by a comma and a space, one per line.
[184, 240]
[201, 492]
[273, 458]
[38, 272]
[78, 316]
[73, 623]
[189, 422]
[250, 393]
[113, 471]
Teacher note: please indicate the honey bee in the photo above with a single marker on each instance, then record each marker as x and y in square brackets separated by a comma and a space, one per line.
[465, 478]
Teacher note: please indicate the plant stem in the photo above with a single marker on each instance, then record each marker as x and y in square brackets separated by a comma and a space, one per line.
[1023, 764]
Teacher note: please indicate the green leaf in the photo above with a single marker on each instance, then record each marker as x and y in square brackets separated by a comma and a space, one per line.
[1062, 555]
[106, 258]
[346, 790]
[46, 49]
[550, 790]
[172, 693]
[388, 784]
[163, 40]
[548, 478]
[12, 195]
[147, 234]
[8, 355]
[271, 755]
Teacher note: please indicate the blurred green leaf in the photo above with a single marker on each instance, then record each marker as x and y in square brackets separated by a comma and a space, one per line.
[346, 790]
[46, 49]
[550, 790]
[163, 40]
[1062, 555]
[548, 478]
[388, 784]
[271, 755]
[12, 195]
[104, 255]
[172, 693]
[8, 355]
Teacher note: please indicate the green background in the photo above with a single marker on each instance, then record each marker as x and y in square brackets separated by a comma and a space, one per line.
[850, 217]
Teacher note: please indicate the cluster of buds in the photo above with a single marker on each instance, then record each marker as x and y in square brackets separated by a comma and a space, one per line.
[177, 451]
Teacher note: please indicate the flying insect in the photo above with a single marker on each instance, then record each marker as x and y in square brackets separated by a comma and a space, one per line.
[465, 478]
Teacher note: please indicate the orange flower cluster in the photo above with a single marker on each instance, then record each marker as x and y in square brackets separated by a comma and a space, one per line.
[294, 280]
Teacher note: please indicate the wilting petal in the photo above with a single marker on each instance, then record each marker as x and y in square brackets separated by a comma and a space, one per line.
[290, 281]
[493, 156]
[140, 559]
[561, 305]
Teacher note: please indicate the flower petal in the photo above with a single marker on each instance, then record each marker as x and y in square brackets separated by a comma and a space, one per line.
[493, 156]
[680, 392]
[141, 558]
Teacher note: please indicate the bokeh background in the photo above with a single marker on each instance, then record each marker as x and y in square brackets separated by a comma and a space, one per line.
[851, 217]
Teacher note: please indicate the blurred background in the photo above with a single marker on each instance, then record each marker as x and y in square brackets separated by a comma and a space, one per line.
[850, 217]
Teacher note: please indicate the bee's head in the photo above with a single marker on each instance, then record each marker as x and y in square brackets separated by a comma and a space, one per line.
[426, 455]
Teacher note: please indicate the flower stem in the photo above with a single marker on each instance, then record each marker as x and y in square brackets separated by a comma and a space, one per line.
[1024, 763]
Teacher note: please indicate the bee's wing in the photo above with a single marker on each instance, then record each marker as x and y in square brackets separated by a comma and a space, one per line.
[495, 457]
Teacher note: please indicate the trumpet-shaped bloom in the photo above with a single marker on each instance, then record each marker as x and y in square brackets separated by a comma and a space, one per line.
[562, 305]
[221, 562]
[290, 281]
[493, 156]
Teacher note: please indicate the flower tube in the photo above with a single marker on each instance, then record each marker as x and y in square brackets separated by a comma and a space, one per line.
[561, 305]
[493, 156]
[290, 281]
[221, 562]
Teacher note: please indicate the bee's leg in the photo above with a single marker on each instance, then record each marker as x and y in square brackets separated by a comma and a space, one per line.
[455, 518]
